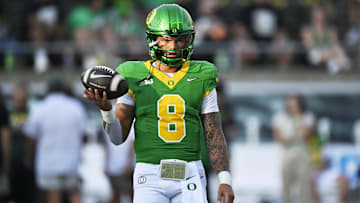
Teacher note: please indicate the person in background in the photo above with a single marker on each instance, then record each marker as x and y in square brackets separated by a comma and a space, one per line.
[282, 50]
[22, 178]
[205, 20]
[5, 149]
[214, 46]
[263, 22]
[58, 124]
[119, 168]
[118, 24]
[354, 194]
[330, 186]
[322, 44]
[245, 50]
[80, 29]
[352, 36]
[45, 25]
[292, 129]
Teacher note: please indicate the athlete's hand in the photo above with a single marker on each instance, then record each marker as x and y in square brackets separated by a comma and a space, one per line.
[94, 96]
[225, 193]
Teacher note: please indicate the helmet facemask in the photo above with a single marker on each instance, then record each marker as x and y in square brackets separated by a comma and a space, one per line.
[163, 55]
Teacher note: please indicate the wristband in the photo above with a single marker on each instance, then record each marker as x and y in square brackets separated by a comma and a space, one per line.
[108, 116]
[224, 177]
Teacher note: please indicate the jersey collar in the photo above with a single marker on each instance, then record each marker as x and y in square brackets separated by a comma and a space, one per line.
[170, 82]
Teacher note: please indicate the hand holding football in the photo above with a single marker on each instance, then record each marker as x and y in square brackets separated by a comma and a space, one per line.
[105, 79]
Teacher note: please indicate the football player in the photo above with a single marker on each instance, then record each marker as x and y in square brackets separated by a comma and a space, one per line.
[174, 102]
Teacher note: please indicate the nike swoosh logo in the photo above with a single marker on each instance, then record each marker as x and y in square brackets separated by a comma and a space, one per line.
[193, 176]
[191, 79]
[93, 76]
[189, 177]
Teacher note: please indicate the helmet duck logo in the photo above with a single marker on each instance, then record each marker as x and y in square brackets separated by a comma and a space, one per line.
[151, 16]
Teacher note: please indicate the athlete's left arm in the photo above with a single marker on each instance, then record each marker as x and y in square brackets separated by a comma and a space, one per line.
[217, 149]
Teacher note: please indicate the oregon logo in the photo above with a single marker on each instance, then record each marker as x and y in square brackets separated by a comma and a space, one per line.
[171, 82]
[191, 186]
[150, 16]
[142, 180]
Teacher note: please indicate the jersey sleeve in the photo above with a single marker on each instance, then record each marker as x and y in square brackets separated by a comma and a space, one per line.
[133, 72]
[209, 103]
[210, 75]
[122, 69]
[130, 69]
[126, 99]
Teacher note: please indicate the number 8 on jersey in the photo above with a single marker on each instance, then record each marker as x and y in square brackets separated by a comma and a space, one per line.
[171, 123]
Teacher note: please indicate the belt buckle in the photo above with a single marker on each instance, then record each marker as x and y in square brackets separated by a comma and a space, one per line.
[173, 169]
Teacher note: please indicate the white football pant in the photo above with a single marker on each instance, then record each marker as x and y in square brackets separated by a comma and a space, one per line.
[149, 187]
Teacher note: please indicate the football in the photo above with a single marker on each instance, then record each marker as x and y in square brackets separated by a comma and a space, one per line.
[105, 79]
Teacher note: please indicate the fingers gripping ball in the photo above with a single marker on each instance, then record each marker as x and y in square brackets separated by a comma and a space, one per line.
[105, 79]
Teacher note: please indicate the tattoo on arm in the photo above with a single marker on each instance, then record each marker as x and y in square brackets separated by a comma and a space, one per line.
[126, 118]
[215, 141]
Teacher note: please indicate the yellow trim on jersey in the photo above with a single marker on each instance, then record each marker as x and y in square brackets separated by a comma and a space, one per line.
[170, 82]
[207, 93]
[131, 93]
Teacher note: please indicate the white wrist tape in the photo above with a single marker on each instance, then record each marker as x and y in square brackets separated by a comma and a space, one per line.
[108, 116]
[224, 177]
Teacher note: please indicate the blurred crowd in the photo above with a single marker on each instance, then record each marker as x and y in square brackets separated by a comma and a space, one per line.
[312, 34]
[53, 151]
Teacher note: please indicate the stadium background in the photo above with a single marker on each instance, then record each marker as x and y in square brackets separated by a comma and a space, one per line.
[42, 38]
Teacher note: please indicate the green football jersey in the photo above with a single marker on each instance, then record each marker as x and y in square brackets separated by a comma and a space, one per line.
[167, 110]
